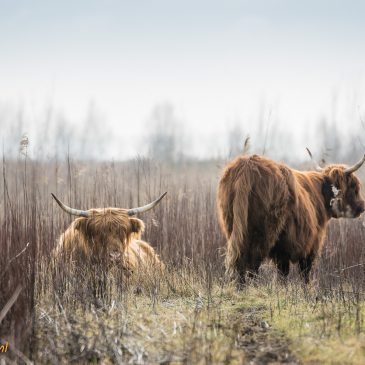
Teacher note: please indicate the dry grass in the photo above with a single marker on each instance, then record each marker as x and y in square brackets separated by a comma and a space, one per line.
[174, 318]
[190, 314]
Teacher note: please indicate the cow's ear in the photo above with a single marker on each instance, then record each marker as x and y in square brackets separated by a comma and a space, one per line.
[327, 190]
[82, 225]
[79, 224]
[137, 226]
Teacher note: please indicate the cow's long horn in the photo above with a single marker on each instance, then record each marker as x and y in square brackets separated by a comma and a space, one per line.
[149, 206]
[316, 165]
[79, 213]
[355, 167]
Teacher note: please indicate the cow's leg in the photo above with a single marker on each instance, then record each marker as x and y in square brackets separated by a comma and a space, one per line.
[279, 254]
[253, 266]
[241, 266]
[305, 265]
[246, 268]
[236, 257]
[253, 270]
[283, 266]
[257, 253]
[248, 265]
[253, 251]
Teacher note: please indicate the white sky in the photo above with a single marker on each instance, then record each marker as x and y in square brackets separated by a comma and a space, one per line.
[217, 62]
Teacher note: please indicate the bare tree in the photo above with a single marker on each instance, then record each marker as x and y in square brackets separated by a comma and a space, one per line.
[165, 137]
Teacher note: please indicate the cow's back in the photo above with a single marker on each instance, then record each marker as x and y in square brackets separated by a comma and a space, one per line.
[140, 253]
[265, 188]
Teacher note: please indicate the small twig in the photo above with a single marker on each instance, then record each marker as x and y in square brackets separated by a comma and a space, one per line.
[14, 258]
[316, 164]
[10, 303]
[22, 251]
[351, 267]
[246, 145]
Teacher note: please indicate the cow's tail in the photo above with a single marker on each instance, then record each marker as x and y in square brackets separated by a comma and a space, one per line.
[239, 218]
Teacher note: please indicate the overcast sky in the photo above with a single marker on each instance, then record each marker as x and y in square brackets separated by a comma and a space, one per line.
[216, 62]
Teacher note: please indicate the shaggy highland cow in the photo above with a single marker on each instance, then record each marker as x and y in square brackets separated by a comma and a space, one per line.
[268, 210]
[108, 236]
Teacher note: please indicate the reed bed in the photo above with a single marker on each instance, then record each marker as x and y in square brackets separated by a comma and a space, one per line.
[184, 231]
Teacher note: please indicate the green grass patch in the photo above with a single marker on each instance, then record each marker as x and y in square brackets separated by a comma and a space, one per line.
[322, 329]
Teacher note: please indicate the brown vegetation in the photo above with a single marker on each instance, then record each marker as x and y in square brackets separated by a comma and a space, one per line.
[187, 314]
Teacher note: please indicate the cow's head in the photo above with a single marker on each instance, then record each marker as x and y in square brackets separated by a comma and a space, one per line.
[341, 190]
[110, 228]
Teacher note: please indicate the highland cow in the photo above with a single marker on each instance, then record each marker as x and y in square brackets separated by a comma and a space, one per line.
[108, 236]
[268, 210]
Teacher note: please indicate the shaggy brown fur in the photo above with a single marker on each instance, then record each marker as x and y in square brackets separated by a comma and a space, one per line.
[267, 209]
[108, 235]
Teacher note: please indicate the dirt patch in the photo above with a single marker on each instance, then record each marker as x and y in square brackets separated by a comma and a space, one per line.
[261, 343]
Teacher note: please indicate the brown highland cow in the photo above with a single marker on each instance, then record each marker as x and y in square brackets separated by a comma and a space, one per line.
[107, 235]
[268, 210]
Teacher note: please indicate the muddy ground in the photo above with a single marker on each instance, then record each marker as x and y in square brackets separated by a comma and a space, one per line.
[261, 343]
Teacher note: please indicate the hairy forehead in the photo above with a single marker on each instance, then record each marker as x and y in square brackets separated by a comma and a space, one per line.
[337, 173]
[100, 217]
[109, 211]
[334, 168]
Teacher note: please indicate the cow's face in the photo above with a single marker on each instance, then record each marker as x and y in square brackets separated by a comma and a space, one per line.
[109, 229]
[342, 191]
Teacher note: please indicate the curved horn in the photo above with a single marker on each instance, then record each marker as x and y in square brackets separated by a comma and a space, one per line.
[316, 165]
[355, 167]
[149, 206]
[79, 213]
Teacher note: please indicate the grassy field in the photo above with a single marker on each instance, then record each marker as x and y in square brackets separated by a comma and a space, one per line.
[190, 314]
